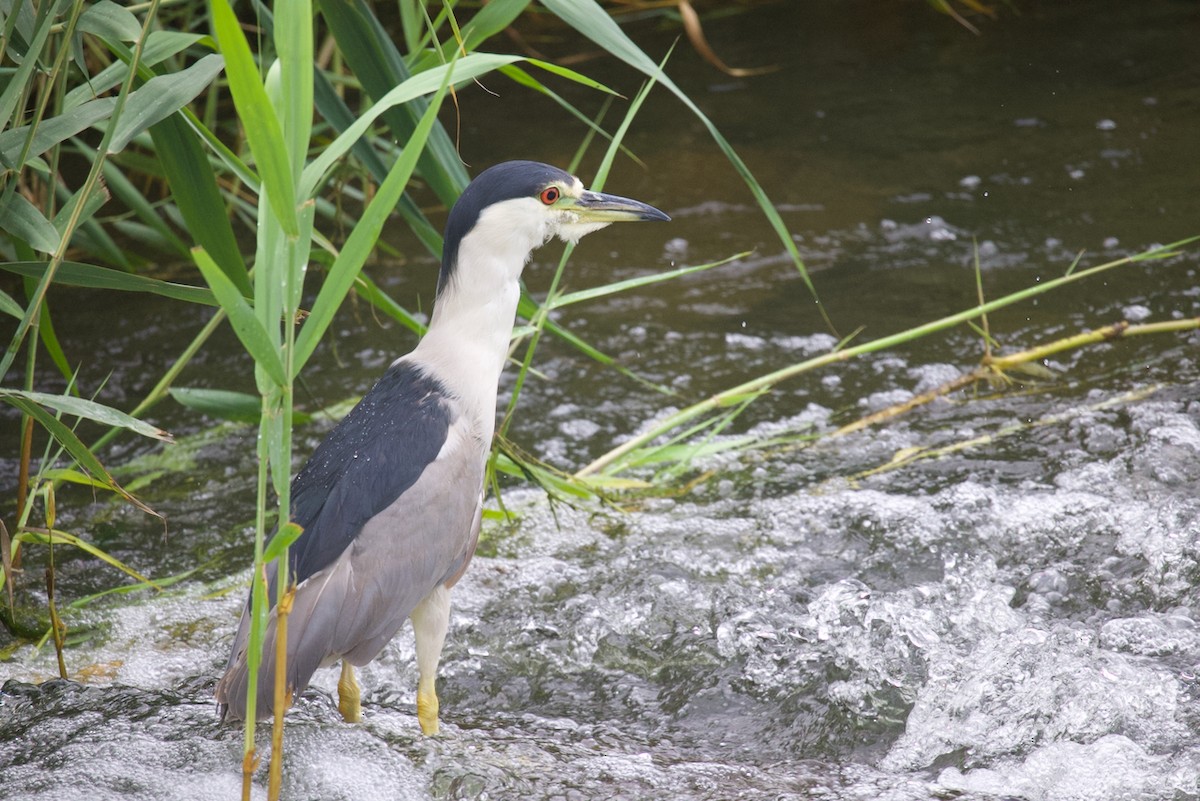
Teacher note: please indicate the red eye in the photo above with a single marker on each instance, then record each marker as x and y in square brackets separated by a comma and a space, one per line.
[550, 195]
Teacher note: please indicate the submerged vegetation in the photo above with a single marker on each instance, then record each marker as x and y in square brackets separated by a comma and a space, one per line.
[166, 133]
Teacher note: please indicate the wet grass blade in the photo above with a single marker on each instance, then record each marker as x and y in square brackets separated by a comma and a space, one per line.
[71, 443]
[50, 536]
[19, 146]
[89, 410]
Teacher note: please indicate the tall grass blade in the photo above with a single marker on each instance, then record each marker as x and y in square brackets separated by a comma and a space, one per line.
[50, 536]
[71, 443]
[54, 131]
[587, 17]
[369, 51]
[366, 233]
[263, 132]
[245, 323]
[583, 295]
[198, 197]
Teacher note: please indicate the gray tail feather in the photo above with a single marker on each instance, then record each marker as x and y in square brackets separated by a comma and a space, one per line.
[312, 630]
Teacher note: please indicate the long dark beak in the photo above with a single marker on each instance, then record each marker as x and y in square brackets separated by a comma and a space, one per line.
[599, 207]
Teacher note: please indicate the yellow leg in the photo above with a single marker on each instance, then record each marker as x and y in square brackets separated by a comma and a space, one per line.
[427, 707]
[349, 696]
[430, 620]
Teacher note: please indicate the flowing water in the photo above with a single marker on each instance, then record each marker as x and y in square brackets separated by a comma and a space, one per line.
[1014, 619]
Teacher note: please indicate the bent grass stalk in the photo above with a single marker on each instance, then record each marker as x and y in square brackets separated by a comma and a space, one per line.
[908, 456]
[995, 367]
[619, 458]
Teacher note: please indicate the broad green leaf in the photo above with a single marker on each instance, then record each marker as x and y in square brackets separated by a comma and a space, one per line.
[240, 407]
[198, 197]
[365, 234]
[90, 410]
[263, 132]
[287, 534]
[54, 130]
[246, 325]
[162, 96]
[73, 273]
[160, 45]
[110, 21]
[23, 220]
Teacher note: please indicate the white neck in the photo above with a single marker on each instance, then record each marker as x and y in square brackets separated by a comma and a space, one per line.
[471, 326]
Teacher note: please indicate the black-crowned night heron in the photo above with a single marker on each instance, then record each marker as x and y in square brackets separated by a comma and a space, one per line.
[390, 501]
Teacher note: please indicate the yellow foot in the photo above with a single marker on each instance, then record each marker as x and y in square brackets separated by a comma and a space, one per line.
[427, 712]
[349, 697]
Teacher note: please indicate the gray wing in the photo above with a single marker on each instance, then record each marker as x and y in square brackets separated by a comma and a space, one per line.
[353, 604]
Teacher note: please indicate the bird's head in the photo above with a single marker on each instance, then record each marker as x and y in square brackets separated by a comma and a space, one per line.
[516, 206]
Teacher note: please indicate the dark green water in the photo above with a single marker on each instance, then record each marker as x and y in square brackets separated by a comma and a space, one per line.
[1013, 620]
